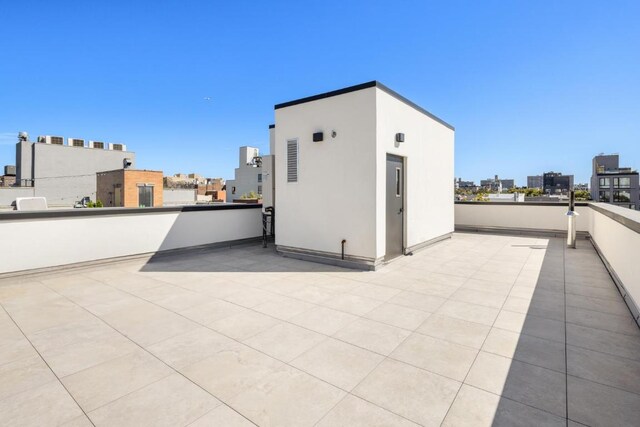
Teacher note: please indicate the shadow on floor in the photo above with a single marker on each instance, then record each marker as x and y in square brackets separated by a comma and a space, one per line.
[247, 257]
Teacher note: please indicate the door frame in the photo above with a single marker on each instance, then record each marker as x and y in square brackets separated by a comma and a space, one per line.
[403, 159]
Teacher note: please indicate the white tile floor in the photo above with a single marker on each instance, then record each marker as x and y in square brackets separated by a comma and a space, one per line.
[478, 330]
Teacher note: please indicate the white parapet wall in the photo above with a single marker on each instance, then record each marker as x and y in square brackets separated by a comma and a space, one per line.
[35, 240]
[536, 217]
[615, 232]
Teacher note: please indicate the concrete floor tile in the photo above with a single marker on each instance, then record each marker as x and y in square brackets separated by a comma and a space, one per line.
[231, 371]
[170, 401]
[398, 315]
[525, 348]
[599, 405]
[284, 308]
[338, 363]
[455, 330]
[604, 368]
[603, 341]
[435, 355]
[352, 304]
[475, 407]
[605, 305]
[371, 335]
[49, 404]
[381, 293]
[487, 286]
[269, 401]
[244, 325]
[418, 301]
[535, 326]
[608, 322]
[470, 312]
[211, 311]
[323, 320]
[147, 325]
[23, 374]
[534, 386]
[222, 416]
[488, 299]
[313, 294]
[84, 354]
[69, 333]
[186, 349]
[285, 341]
[413, 393]
[100, 384]
[355, 412]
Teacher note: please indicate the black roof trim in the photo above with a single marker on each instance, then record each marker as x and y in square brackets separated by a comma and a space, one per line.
[362, 86]
[272, 126]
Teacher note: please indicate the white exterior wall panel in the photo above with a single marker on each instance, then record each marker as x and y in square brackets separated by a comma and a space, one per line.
[335, 196]
[428, 154]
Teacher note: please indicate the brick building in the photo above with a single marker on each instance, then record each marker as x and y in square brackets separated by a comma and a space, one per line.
[129, 188]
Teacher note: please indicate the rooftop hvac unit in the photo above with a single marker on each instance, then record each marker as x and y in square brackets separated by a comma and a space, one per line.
[97, 144]
[75, 142]
[117, 147]
[49, 139]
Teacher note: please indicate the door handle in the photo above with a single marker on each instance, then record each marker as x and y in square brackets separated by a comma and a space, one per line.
[400, 211]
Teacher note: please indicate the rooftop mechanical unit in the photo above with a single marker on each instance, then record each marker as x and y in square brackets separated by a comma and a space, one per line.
[97, 144]
[75, 142]
[117, 147]
[50, 139]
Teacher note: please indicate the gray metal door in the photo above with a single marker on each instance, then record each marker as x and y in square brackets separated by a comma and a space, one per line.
[395, 206]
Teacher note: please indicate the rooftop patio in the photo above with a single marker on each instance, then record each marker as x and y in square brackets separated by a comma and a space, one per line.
[481, 329]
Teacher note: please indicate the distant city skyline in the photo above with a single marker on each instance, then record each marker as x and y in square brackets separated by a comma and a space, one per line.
[530, 88]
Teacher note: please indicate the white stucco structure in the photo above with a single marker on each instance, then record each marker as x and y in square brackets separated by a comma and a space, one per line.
[341, 188]
[247, 177]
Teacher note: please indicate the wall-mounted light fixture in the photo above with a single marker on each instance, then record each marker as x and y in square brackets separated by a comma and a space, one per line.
[399, 137]
[318, 136]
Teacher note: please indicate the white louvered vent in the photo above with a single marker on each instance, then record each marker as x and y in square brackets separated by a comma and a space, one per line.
[292, 161]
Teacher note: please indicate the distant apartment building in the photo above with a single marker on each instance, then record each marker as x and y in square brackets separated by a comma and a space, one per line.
[554, 183]
[612, 184]
[248, 175]
[581, 187]
[534, 181]
[460, 184]
[66, 173]
[130, 188]
[213, 189]
[497, 184]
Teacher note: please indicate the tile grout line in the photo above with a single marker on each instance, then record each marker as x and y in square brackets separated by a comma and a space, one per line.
[46, 363]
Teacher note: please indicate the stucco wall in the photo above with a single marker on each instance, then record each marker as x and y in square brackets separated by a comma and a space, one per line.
[334, 197]
[180, 196]
[549, 217]
[51, 241]
[620, 246]
[8, 195]
[428, 153]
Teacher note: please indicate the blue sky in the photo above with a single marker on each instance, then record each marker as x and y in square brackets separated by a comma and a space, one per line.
[529, 86]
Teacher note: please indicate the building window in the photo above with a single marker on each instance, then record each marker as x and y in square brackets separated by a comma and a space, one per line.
[145, 196]
[621, 182]
[604, 196]
[259, 177]
[621, 196]
[259, 189]
[233, 190]
[292, 160]
[605, 182]
[398, 182]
